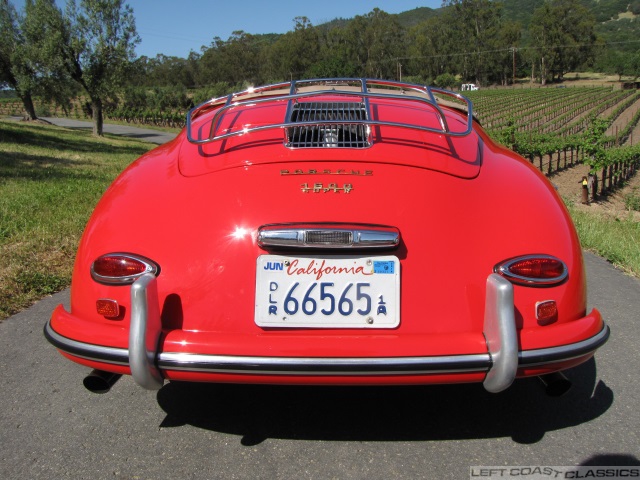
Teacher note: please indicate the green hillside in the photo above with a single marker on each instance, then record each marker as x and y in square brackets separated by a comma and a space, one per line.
[618, 21]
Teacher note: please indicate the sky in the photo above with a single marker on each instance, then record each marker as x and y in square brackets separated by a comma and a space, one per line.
[176, 27]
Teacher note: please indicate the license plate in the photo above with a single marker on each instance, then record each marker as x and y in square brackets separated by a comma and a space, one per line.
[328, 292]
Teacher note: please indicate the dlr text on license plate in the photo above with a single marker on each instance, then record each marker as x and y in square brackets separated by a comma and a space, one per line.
[328, 292]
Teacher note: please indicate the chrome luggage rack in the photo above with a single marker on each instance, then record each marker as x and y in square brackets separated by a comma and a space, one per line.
[356, 116]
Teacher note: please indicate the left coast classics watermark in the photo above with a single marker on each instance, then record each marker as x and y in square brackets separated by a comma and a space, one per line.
[544, 472]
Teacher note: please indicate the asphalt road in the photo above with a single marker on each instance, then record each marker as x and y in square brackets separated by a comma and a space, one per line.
[152, 136]
[52, 428]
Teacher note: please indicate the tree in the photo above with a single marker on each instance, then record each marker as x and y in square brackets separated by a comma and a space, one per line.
[564, 36]
[236, 60]
[92, 43]
[15, 70]
[294, 53]
[476, 26]
[374, 43]
[467, 38]
[510, 35]
[545, 33]
[617, 62]
[446, 80]
[431, 45]
[334, 58]
[163, 71]
[635, 65]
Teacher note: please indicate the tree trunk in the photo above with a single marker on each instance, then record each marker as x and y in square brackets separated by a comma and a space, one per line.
[29, 109]
[96, 107]
[533, 72]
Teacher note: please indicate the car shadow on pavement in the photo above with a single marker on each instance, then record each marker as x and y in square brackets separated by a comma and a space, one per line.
[407, 413]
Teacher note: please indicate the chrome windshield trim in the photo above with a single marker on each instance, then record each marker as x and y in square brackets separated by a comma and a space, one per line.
[324, 366]
[328, 236]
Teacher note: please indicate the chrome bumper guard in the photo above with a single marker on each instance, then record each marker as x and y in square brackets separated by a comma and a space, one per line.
[501, 362]
[144, 332]
[500, 334]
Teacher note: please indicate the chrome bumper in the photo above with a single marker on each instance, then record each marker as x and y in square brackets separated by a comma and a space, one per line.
[500, 363]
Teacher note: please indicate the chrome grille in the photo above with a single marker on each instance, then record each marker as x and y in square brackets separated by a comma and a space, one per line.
[341, 134]
[328, 237]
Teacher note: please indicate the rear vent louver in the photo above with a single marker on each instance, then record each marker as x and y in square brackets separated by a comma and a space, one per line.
[327, 135]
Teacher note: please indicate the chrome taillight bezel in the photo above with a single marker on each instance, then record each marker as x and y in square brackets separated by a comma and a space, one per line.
[503, 269]
[149, 267]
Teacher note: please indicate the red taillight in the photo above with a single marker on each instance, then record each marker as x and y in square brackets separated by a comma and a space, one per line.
[118, 266]
[534, 270]
[121, 268]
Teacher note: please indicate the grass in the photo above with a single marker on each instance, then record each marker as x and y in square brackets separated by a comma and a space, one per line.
[632, 200]
[50, 180]
[615, 239]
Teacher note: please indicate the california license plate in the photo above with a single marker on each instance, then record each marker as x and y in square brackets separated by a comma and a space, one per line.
[328, 292]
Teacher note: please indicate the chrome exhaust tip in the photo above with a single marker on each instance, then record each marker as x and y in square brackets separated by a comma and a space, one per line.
[99, 381]
[555, 384]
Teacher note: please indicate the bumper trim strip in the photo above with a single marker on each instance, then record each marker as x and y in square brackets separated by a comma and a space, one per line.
[88, 351]
[544, 356]
[325, 366]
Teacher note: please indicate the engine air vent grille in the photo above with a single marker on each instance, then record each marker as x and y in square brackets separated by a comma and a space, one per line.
[326, 134]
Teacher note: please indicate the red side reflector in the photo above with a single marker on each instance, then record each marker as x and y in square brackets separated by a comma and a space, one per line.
[108, 308]
[546, 312]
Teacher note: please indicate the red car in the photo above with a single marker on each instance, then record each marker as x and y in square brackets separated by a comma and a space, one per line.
[329, 232]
